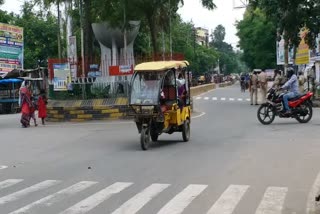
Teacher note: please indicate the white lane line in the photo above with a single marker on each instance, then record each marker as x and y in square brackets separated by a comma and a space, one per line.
[228, 200]
[58, 196]
[248, 99]
[138, 201]
[9, 183]
[198, 98]
[231, 99]
[240, 99]
[214, 98]
[3, 167]
[202, 114]
[315, 190]
[223, 98]
[92, 201]
[183, 199]
[17, 195]
[272, 201]
[206, 98]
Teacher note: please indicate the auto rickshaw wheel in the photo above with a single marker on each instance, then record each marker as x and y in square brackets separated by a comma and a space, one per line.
[186, 130]
[154, 137]
[145, 138]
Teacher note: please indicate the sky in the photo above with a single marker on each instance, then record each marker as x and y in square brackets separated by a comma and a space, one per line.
[192, 10]
[224, 15]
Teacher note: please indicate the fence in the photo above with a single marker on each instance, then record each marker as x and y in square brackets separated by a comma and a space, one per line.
[89, 88]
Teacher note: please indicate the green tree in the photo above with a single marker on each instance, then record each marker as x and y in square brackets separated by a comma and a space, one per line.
[39, 36]
[257, 36]
[290, 16]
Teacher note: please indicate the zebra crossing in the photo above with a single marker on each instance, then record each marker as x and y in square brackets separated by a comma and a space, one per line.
[3, 167]
[230, 99]
[272, 201]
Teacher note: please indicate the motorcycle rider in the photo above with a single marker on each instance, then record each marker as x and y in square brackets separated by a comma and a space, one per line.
[293, 89]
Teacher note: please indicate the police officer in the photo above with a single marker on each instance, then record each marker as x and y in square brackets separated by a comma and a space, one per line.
[302, 81]
[262, 78]
[253, 86]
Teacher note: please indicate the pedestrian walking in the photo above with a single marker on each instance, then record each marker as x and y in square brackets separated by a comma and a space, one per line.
[302, 81]
[42, 106]
[262, 78]
[253, 87]
[25, 101]
[33, 108]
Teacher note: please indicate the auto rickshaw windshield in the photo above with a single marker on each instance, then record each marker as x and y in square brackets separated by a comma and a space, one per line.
[145, 88]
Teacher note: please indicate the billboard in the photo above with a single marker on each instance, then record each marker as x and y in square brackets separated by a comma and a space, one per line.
[120, 70]
[280, 53]
[11, 47]
[303, 53]
[61, 76]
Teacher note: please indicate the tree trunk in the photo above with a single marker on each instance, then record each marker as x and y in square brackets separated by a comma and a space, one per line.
[153, 32]
[286, 53]
[59, 30]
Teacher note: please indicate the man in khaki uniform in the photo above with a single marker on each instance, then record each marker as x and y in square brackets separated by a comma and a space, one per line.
[262, 78]
[302, 81]
[277, 79]
[253, 87]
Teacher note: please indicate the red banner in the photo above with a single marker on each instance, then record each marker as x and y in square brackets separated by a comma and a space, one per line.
[121, 70]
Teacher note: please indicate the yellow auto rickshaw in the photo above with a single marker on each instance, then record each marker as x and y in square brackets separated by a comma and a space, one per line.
[160, 100]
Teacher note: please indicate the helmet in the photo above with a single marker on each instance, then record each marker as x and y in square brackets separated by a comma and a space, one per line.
[290, 72]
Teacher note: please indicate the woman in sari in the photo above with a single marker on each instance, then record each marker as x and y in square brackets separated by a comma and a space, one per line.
[25, 106]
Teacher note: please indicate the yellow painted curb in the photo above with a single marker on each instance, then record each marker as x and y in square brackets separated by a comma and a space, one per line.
[121, 101]
[59, 116]
[77, 112]
[77, 103]
[52, 111]
[77, 120]
[97, 102]
[55, 120]
[84, 116]
[101, 107]
[110, 111]
[116, 115]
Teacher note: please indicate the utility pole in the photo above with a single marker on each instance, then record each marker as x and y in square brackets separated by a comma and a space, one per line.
[170, 35]
[82, 50]
[59, 30]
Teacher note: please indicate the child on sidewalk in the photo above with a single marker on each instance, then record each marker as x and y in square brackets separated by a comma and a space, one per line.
[33, 108]
[42, 106]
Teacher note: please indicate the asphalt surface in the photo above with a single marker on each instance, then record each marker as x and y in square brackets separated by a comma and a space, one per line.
[232, 164]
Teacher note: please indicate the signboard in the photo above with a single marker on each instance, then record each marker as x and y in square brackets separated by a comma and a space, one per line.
[303, 53]
[120, 70]
[61, 76]
[280, 53]
[11, 47]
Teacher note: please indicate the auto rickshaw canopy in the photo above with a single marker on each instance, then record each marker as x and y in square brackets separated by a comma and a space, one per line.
[160, 65]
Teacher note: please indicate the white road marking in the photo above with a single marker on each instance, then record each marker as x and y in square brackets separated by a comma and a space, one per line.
[9, 183]
[58, 196]
[92, 201]
[240, 99]
[272, 201]
[248, 99]
[228, 200]
[214, 98]
[138, 201]
[3, 167]
[182, 200]
[202, 114]
[17, 195]
[223, 98]
[198, 98]
[206, 98]
[231, 99]
[315, 190]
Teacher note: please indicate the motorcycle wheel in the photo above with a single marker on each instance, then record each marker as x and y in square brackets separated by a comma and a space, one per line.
[266, 114]
[304, 119]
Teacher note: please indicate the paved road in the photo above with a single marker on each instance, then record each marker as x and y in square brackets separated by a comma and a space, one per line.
[231, 165]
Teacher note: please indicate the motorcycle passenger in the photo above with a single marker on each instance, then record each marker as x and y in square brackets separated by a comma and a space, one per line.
[293, 86]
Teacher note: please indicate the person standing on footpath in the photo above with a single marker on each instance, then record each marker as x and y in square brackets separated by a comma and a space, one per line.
[42, 106]
[302, 81]
[253, 87]
[262, 78]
